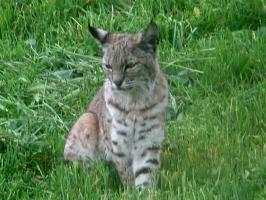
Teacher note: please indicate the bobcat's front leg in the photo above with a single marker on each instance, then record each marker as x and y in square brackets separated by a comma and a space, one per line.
[146, 165]
[147, 152]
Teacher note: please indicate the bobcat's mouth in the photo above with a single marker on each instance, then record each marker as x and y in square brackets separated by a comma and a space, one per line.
[123, 88]
[129, 86]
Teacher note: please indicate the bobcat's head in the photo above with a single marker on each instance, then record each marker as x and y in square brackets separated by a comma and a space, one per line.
[129, 60]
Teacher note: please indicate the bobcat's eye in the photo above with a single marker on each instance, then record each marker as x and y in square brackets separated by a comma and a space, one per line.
[108, 67]
[130, 65]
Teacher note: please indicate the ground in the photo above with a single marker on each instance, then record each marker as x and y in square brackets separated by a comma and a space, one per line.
[213, 53]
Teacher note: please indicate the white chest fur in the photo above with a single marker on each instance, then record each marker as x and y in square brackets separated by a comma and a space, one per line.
[136, 126]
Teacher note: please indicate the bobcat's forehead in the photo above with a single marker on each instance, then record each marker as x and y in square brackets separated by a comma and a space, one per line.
[117, 38]
[121, 51]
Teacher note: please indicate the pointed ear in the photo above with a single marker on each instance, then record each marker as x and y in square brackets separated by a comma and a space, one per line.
[100, 34]
[150, 38]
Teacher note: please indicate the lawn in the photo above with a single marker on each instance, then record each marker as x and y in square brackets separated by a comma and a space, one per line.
[213, 53]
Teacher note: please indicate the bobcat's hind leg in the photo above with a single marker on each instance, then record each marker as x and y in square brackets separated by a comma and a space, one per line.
[81, 143]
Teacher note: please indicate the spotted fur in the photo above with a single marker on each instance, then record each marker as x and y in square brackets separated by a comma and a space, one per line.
[125, 121]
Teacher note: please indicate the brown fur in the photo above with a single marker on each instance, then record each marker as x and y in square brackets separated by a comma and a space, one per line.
[125, 121]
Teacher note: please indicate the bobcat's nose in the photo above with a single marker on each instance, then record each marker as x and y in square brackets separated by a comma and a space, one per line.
[118, 79]
[118, 82]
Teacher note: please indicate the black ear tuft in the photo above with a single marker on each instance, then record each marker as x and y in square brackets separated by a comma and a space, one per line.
[150, 38]
[100, 34]
[93, 31]
[153, 30]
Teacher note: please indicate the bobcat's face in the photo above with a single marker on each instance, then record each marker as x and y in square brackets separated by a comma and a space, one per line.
[129, 60]
[127, 66]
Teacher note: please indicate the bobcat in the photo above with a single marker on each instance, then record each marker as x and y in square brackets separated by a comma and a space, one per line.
[125, 121]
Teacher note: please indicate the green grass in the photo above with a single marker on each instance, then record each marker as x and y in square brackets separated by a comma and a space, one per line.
[214, 55]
